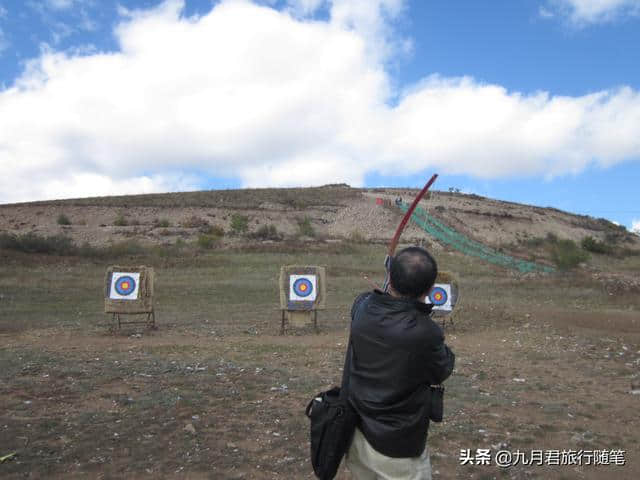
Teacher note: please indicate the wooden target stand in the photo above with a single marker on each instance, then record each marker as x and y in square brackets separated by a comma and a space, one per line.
[302, 293]
[129, 291]
[150, 321]
[445, 295]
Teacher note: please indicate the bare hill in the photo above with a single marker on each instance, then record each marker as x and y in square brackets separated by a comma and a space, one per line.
[333, 212]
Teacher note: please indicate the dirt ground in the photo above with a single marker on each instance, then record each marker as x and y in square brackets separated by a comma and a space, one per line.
[547, 362]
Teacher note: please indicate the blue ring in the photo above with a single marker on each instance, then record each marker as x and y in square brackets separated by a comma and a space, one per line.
[432, 294]
[125, 291]
[298, 283]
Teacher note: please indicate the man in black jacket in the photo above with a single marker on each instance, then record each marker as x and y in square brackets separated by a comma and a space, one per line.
[398, 351]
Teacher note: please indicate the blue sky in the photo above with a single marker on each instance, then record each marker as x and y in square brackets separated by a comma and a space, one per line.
[532, 101]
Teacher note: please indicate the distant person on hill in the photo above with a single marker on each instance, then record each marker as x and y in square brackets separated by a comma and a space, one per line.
[398, 351]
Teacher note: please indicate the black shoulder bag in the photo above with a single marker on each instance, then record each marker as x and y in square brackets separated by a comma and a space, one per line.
[333, 422]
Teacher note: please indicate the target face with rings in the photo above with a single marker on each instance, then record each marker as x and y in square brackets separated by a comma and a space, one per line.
[124, 286]
[303, 287]
[440, 297]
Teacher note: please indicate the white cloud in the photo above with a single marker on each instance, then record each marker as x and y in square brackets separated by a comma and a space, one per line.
[582, 12]
[81, 184]
[272, 99]
[635, 226]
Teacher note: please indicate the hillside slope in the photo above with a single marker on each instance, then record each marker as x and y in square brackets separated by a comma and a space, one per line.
[334, 212]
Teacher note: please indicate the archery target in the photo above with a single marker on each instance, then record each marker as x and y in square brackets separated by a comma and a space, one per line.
[124, 286]
[440, 297]
[303, 287]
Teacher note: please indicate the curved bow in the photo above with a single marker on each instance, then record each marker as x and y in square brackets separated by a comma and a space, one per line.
[403, 224]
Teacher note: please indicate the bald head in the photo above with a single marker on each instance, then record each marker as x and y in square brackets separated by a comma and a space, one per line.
[413, 272]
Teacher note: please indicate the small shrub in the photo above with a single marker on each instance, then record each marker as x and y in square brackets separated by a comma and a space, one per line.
[567, 255]
[8, 241]
[356, 236]
[120, 221]
[58, 244]
[305, 228]
[215, 230]
[63, 219]
[34, 243]
[207, 242]
[534, 242]
[266, 232]
[592, 245]
[552, 237]
[239, 224]
[161, 223]
[293, 201]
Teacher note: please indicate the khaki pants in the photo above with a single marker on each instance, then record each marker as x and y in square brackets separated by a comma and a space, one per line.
[365, 463]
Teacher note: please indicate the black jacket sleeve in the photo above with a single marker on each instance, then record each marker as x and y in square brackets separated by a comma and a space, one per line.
[358, 301]
[440, 359]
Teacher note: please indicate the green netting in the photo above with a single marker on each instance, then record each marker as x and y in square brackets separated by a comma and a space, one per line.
[448, 236]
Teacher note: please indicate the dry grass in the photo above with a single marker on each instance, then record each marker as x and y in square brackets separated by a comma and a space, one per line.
[246, 198]
[78, 401]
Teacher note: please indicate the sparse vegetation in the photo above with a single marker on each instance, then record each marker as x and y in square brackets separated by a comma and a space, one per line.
[592, 245]
[305, 228]
[213, 340]
[616, 235]
[120, 221]
[161, 223]
[195, 221]
[207, 242]
[239, 224]
[533, 242]
[127, 248]
[241, 198]
[566, 254]
[215, 230]
[65, 246]
[34, 243]
[267, 232]
[63, 220]
[356, 236]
